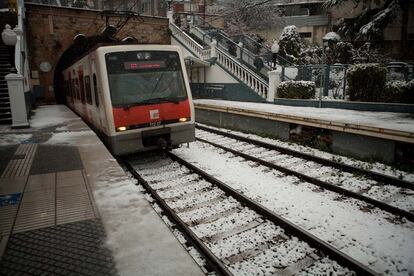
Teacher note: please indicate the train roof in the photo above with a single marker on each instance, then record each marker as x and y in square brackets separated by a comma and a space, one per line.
[127, 46]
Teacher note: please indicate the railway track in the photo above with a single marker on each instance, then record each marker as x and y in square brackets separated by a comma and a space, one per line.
[327, 162]
[387, 193]
[236, 235]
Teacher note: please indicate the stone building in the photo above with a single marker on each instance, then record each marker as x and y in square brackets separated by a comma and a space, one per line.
[46, 45]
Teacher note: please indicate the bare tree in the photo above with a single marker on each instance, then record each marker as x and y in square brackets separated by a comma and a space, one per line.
[244, 16]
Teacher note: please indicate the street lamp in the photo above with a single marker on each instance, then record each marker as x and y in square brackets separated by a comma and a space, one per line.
[169, 2]
[329, 39]
[275, 51]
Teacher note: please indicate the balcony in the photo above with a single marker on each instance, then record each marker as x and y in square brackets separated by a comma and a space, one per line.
[306, 20]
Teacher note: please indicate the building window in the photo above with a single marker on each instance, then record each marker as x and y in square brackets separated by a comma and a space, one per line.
[306, 35]
[146, 7]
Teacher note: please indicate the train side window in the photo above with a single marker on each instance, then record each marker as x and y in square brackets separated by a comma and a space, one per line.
[72, 93]
[87, 81]
[82, 90]
[67, 91]
[95, 90]
[77, 89]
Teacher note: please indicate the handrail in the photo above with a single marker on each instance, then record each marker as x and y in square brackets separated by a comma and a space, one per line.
[234, 66]
[19, 47]
[244, 74]
[189, 41]
[241, 64]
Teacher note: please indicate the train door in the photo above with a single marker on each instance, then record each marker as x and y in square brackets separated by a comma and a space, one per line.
[98, 108]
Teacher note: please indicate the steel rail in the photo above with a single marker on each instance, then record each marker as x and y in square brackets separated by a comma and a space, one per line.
[293, 229]
[379, 204]
[345, 167]
[208, 255]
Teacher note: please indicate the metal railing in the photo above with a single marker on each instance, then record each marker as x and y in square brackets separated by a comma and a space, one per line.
[331, 80]
[248, 77]
[306, 20]
[184, 38]
[251, 53]
[229, 62]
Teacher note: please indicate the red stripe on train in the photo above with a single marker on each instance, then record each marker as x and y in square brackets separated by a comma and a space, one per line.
[141, 114]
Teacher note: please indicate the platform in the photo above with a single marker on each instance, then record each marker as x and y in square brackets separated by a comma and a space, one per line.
[360, 134]
[68, 208]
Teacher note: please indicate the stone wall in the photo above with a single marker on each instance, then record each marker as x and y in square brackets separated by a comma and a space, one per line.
[50, 31]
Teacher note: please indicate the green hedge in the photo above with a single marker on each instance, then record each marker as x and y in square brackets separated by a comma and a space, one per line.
[296, 90]
[399, 92]
[366, 82]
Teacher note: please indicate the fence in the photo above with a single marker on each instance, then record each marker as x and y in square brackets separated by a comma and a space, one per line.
[332, 82]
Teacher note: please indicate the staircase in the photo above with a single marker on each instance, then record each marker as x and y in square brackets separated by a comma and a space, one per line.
[225, 60]
[5, 111]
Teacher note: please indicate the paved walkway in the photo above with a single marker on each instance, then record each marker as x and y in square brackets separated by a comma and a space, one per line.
[67, 208]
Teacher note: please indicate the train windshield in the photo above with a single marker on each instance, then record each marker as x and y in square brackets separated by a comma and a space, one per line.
[145, 77]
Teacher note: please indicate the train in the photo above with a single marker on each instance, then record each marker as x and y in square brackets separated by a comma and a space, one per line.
[135, 97]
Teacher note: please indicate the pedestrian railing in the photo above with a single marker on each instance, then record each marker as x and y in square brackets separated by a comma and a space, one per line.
[234, 66]
[248, 77]
[189, 42]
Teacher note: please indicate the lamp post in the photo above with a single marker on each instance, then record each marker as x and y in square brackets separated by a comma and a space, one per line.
[329, 40]
[324, 44]
[275, 51]
[169, 2]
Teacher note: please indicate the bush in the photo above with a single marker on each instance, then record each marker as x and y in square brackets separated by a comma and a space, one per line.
[366, 82]
[296, 90]
[399, 92]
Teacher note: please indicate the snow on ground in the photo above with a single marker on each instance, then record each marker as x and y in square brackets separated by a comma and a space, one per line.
[51, 115]
[69, 138]
[367, 236]
[13, 139]
[376, 167]
[386, 120]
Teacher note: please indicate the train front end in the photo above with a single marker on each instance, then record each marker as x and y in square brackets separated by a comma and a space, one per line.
[150, 98]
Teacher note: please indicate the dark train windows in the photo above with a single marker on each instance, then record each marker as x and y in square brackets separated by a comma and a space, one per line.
[77, 89]
[95, 90]
[87, 81]
[72, 88]
[82, 90]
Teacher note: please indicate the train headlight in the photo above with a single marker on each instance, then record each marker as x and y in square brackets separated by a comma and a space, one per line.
[120, 129]
[182, 120]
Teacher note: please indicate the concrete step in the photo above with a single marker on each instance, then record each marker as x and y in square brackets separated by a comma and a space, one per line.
[5, 114]
[6, 121]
